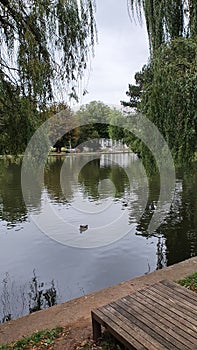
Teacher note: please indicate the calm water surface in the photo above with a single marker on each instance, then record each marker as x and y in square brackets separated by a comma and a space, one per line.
[37, 271]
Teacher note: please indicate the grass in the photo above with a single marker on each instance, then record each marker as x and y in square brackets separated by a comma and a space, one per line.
[189, 282]
[38, 340]
[45, 339]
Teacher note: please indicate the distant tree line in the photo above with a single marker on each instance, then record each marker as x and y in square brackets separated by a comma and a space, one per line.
[96, 121]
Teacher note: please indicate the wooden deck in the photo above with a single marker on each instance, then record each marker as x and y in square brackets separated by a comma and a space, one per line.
[160, 317]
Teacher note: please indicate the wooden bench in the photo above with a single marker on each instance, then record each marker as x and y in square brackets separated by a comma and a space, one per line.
[160, 317]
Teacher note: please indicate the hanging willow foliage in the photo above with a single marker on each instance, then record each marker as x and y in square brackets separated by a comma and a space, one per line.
[44, 49]
[166, 93]
[44, 43]
[169, 98]
[166, 19]
[166, 88]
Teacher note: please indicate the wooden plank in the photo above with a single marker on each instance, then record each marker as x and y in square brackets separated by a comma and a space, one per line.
[162, 316]
[154, 312]
[160, 322]
[167, 316]
[120, 334]
[96, 327]
[190, 295]
[136, 331]
[156, 330]
[145, 329]
[185, 298]
[177, 301]
[123, 325]
[166, 304]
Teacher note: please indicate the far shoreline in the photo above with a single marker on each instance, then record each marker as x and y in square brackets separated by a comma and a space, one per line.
[65, 154]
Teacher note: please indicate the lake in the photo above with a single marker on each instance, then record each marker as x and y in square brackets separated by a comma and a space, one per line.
[46, 259]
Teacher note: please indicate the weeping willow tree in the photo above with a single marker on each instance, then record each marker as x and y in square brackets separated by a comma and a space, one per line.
[169, 100]
[166, 19]
[44, 42]
[45, 47]
[166, 88]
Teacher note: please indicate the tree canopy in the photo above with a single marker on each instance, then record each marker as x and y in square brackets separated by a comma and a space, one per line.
[97, 115]
[94, 119]
[166, 20]
[165, 89]
[89, 124]
[44, 45]
[170, 100]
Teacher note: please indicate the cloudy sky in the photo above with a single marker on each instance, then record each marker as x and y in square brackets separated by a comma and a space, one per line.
[122, 50]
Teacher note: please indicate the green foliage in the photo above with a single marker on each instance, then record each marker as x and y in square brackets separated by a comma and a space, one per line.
[45, 43]
[134, 93]
[94, 119]
[67, 120]
[116, 132]
[96, 116]
[40, 339]
[170, 100]
[166, 20]
[19, 118]
[189, 282]
[166, 88]
[44, 51]
[168, 97]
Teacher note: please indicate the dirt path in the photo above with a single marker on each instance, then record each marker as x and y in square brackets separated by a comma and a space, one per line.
[74, 315]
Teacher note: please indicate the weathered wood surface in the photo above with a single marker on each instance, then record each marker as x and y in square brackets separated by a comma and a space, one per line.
[160, 317]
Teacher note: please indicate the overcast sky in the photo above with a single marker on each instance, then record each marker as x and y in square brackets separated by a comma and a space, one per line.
[122, 50]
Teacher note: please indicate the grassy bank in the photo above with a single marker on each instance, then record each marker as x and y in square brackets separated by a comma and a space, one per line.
[38, 340]
[189, 282]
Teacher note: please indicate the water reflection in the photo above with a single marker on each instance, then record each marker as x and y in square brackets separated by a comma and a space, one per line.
[17, 300]
[94, 172]
[52, 180]
[180, 226]
[68, 182]
[101, 186]
[12, 206]
[90, 176]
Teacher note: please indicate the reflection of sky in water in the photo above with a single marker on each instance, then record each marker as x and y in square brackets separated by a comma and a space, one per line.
[97, 202]
[93, 185]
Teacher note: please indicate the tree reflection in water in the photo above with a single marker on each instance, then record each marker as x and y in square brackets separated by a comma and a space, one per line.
[27, 298]
[93, 173]
[177, 239]
[97, 180]
[12, 205]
